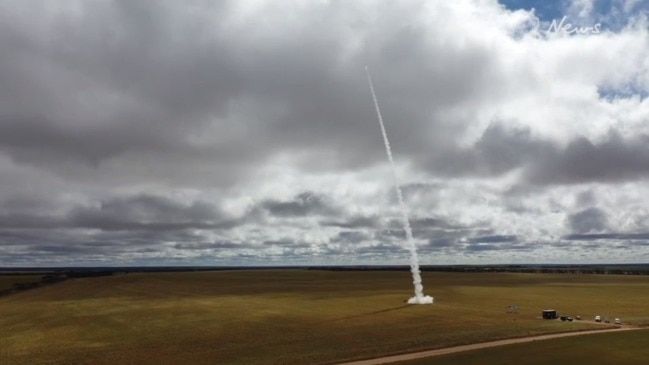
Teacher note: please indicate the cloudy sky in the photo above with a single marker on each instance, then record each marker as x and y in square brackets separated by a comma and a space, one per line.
[243, 132]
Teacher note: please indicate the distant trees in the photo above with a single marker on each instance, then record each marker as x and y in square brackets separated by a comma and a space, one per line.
[539, 269]
[51, 279]
[26, 285]
[88, 273]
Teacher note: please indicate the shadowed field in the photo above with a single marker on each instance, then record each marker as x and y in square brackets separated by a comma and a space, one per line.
[626, 348]
[8, 281]
[293, 316]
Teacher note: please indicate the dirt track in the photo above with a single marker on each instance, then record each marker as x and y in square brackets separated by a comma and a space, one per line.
[482, 345]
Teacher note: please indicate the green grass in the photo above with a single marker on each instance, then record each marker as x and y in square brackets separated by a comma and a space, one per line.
[7, 281]
[293, 317]
[622, 348]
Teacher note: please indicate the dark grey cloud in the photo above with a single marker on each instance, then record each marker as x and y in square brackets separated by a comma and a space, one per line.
[587, 221]
[383, 249]
[502, 149]
[142, 79]
[64, 249]
[644, 236]
[57, 245]
[499, 150]
[353, 222]
[224, 245]
[151, 213]
[138, 83]
[612, 160]
[586, 198]
[139, 212]
[506, 246]
[286, 242]
[353, 237]
[422, 223]
[441, 242]
[493, 239]
[303, 204]
[122, 80]
[110, 79]
[418, 188]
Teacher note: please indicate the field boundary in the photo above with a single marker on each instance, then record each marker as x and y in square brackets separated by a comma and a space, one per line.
[482, 345]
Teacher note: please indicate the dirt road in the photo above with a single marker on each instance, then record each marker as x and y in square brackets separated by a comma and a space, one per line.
[476, 346]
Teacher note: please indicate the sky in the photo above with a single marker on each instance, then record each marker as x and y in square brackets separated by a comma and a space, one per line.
[244, 133]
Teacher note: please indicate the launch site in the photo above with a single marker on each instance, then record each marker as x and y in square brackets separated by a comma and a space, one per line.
[324, 182]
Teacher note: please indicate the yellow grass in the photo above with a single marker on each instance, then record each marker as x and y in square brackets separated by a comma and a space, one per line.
[293, 316]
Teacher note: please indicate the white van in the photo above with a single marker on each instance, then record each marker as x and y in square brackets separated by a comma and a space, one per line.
[618, 321]
[598, 319]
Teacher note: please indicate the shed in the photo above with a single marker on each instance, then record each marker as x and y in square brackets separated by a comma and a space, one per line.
[549, 314]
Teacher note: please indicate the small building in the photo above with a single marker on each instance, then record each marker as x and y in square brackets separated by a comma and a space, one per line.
[549, 314]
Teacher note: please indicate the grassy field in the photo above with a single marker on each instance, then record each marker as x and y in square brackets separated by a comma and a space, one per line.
[8, 281]
[624, 348]
[293, 317]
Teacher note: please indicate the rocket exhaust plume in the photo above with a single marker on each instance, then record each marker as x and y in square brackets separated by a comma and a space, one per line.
[419, 297]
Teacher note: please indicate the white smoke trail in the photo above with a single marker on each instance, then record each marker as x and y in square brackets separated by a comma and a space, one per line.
[419, 297]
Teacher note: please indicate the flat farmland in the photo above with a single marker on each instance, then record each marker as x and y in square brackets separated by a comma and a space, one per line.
[294, 316]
